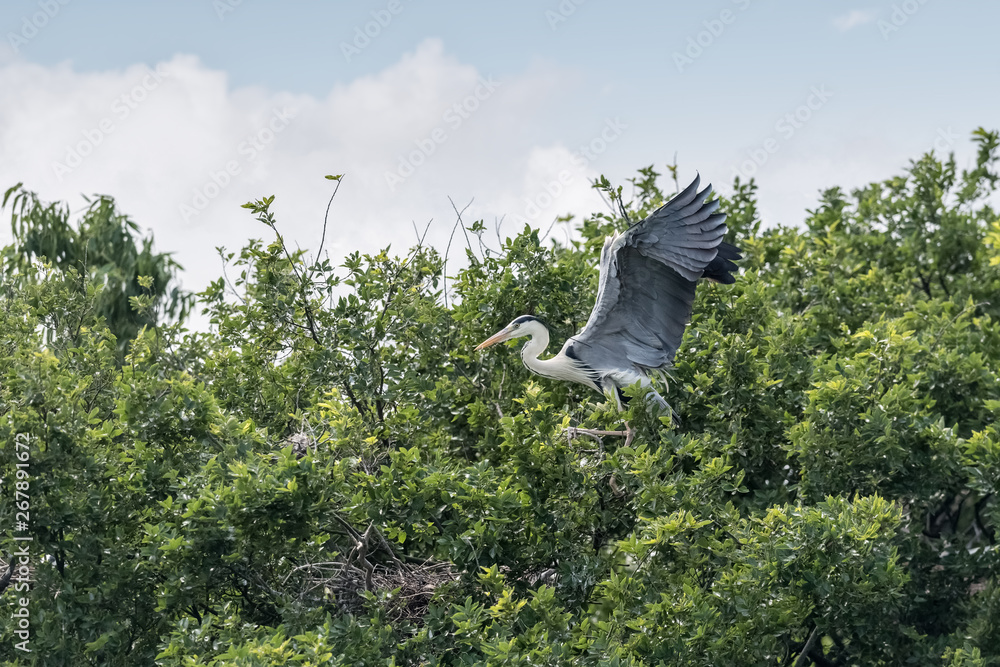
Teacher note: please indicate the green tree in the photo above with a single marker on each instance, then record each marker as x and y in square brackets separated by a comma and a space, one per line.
[104, 249]
[332, 475]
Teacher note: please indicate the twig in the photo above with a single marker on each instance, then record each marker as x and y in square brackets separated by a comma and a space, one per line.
[496, 228]
[800, 661]
[225, 276]
[421, 237]
[363, 556]
[316, 566]
[447, 252]
[549, 230]
[575, 432]
[348, 527]
[621, 209]
[319, 253]
[607, 202]
[468, 243]
[302, 278]
[384, 543]
[673, 171]
[593, 432]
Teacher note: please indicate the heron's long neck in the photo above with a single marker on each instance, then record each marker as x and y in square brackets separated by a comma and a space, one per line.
[558, 367]
[533, 348]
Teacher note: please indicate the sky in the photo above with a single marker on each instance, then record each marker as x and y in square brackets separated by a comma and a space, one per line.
[185, 110]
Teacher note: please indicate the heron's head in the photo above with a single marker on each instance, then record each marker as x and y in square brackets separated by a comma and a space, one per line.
[526, 325]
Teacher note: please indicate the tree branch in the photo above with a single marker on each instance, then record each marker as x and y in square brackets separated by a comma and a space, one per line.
[800, 661]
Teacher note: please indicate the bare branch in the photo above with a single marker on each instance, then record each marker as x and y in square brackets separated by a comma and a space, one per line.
[326, 216]
[801, 660]
[447, 252]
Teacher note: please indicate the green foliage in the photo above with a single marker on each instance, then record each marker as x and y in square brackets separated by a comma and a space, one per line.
[136, 283]
[332, 475]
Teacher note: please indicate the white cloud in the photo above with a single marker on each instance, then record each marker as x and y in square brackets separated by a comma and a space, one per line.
[165, 142]
[181, 151]
[854, 18]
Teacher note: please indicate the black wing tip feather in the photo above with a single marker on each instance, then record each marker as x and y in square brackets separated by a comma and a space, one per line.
[722, 268]
[683, 199]
[692, 188]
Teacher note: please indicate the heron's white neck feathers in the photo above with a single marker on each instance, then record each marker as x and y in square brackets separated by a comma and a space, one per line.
[559, 367]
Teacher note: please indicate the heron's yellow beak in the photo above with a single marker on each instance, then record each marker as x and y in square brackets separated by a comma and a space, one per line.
[498, 337]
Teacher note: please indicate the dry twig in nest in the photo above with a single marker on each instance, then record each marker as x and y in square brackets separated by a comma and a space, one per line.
[343, 582]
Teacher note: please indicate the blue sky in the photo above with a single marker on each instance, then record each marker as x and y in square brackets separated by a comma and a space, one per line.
[801, 96]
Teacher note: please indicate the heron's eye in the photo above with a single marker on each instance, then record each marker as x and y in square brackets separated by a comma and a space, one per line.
[516, 326]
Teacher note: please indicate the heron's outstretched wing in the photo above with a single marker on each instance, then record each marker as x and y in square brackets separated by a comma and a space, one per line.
[647, 282]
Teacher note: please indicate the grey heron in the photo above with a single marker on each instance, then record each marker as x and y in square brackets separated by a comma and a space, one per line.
[648, 275]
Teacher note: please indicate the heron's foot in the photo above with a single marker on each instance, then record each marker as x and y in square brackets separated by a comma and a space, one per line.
[575, 432]
[656, 404]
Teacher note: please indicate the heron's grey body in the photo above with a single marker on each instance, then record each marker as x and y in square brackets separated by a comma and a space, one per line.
[648, 275]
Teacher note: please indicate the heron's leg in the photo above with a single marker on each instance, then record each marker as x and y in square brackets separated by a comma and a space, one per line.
[575, 432]
[654, 395]
[615, 395]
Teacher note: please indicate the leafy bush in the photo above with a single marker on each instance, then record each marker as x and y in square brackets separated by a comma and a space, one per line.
[332, 475]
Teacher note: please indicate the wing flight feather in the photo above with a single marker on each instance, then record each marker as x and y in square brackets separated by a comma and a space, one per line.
[648, 275]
